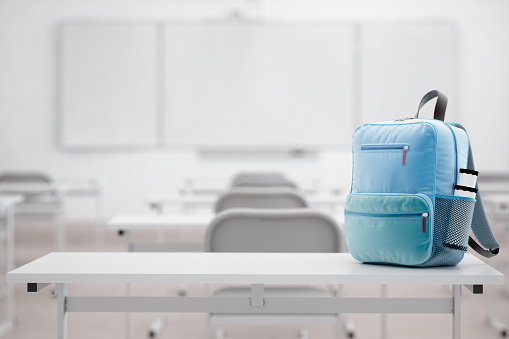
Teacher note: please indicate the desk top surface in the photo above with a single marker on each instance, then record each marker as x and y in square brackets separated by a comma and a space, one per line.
[159, 221]
[29, 187]
[41, 188]
[7, 200]
[169, 221]
[240, 268]
[211, 199]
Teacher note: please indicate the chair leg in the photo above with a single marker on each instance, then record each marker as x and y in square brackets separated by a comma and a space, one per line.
[303, 333]
[157, 326]
[496, 324]
[346, 324]
[220, 333]
[349, 327]
[182, 290]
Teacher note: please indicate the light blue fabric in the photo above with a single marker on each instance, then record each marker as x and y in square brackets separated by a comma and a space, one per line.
[447, 165]
[381, 171]
[388, 228]
[400, 167]
[462, 146]
[431, 145]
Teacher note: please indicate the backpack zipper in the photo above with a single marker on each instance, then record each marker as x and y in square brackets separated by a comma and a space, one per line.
[388, 147]
[423, 216]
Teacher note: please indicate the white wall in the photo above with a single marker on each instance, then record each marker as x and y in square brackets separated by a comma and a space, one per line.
[28, 89]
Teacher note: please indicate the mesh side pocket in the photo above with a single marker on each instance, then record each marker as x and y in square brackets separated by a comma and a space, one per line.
[455, 216]
[451, 229]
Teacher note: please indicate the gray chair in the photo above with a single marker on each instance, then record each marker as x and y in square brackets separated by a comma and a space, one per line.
[260, 197]
[261, 179]
[273, 230]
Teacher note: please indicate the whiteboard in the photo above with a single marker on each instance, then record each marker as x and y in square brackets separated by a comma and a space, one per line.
[258, 85]
[402, 61]
[245, 86]
[108, 85]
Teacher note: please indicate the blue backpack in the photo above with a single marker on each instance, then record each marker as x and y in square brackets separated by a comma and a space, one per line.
[402, 208]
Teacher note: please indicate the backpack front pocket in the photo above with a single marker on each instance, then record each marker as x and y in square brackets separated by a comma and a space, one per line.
[403, 148]
[389, 228]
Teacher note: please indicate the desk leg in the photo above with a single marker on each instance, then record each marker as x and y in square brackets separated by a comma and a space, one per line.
[383, 316]
[456, 312]
[128, 289]
[61, 290]
[128, 315]
[10, 321]
[60, 227]
[158, 325]
[10, 262]
[100, 240]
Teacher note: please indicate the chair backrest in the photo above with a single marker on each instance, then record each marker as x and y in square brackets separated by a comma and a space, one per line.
[256, 197]
[269, 230]
[25, 177]
[261, 179]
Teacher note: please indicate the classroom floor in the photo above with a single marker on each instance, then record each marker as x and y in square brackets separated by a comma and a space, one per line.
[36, 312]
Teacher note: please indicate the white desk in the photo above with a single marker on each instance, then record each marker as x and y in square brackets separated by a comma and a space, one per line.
[39, 188]
[159, 221]
[255, 269]
[189, 203]
[33, 189]
[7, 205]
[215, 186]
[186, 203]
[124, 224]
[60, 192]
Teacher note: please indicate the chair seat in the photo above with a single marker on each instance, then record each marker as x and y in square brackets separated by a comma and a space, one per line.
[303, 292]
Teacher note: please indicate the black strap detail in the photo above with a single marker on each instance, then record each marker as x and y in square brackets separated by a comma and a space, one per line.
[485, 253]
[456, 247]
[465, 188]
[440, 106]
[469, 171]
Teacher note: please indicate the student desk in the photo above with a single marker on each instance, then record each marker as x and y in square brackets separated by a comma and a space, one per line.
[126, 223]
[61, 191]
[7, 206]
[129, 222]
[332, 203]
[216, 190]
[255, 269]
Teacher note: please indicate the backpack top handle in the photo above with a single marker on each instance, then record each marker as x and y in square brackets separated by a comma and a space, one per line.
[440, 106]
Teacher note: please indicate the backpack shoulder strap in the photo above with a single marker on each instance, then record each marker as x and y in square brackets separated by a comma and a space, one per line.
[480, 224]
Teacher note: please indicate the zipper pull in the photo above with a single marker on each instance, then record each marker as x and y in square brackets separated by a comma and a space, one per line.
[424, 216]
[405, 148]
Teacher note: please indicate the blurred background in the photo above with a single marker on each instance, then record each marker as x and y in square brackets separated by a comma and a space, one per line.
[120, 100]
[142, 132]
